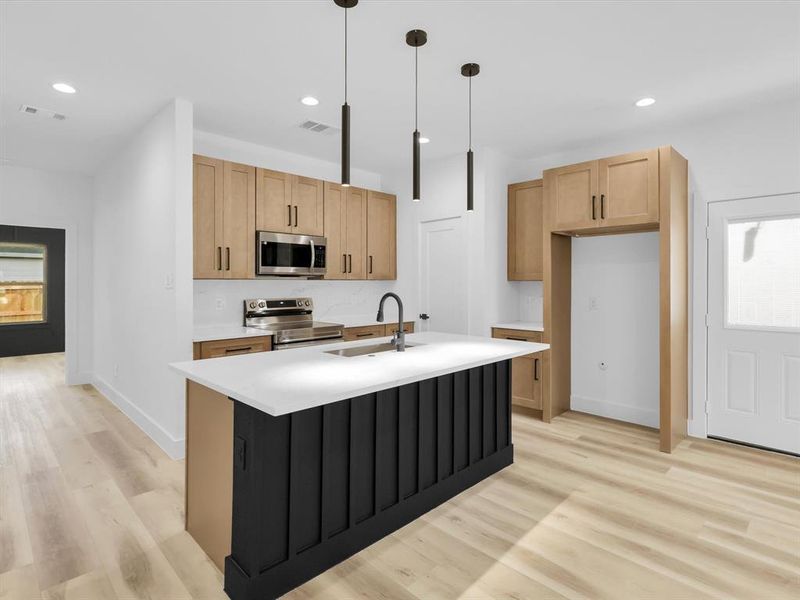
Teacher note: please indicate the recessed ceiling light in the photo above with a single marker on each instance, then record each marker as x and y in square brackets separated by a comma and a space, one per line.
[64, 88]
[641, 102]
[423, 140]
[309, 100]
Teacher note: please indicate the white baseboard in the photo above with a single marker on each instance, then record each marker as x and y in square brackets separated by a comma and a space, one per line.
[175, 448]
[79, 378]
[620, 412]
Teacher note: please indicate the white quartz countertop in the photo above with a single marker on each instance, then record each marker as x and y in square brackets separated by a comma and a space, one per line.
[208, 333]
[521, 325]
[283, 382]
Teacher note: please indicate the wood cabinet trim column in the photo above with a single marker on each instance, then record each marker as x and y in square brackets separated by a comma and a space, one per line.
[530, 244]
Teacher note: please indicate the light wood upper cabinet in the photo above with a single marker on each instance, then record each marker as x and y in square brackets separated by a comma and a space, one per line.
[207, 217]
[355, 234]
[629, 189]
[239, 221]
[346, 231]
[334, 228]
[381, 236]
[307, 205]
[273, 201]
[573, 193]
[224, 219]
[525, 227]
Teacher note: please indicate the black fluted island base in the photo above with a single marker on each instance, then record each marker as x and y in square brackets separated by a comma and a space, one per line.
[314, 487]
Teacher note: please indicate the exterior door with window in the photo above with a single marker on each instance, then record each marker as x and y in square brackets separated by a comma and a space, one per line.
[754, 321]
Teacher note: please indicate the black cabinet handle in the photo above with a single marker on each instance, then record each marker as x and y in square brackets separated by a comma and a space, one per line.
[344, 263]
[536, 369]
[242, 349]
[516, 339]
[594, 208]
[295, 215]
[350, 261]
[219, 258]
[227, 258]
[602, 206]
[365, 335]
[289, 210]
[370, 264]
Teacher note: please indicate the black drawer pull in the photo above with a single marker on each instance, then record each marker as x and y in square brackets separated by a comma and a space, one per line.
[242, 349]
[365, 334]
[536, 369]
[516, 339]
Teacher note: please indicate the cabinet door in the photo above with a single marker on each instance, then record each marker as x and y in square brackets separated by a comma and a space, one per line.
[334, 230]
[238, 221]
[308, 214]
[526, 383]
[273, 201]
[408, 327]
[356, 232]
[629, 189]
[525, 242]
[573, 193]
[381, 236]
[207, 207]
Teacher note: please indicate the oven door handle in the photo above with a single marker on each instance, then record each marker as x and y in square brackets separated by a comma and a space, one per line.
[313, 258]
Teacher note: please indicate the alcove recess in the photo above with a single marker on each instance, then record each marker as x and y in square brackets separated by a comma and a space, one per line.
[635, 192]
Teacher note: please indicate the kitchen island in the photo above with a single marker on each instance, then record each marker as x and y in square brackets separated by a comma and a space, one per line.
[334, 447]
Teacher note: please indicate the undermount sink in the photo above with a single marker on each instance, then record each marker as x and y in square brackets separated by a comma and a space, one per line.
[372, 349]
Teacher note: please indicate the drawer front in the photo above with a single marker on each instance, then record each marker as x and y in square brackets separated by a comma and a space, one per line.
[522, 335]
[218, 348]
[363, 333]
[408, 327]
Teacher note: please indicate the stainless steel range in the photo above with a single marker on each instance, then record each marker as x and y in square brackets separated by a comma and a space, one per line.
[290, 321]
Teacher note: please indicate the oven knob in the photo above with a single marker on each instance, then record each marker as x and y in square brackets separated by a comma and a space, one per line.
[308, 303]
[262, 304]
[252, 305]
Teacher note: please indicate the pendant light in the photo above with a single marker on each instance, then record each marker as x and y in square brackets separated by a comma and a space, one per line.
[470, 70]
[416, 38]
[345, 4]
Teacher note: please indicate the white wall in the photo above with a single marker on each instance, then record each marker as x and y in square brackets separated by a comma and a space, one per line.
[754, 151]
[143, 274]
[36, 198]
[490, 297]
[220, 302]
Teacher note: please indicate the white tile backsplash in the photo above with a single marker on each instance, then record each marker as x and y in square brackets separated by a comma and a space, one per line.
[219, 302]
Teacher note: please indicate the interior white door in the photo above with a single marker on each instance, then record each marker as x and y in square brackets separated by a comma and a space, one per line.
[754, 321]
[443, 276]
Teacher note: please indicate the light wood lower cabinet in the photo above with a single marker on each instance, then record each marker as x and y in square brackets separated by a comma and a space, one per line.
[527, 371]
[223, 219]
[375, 331]
[232, 347]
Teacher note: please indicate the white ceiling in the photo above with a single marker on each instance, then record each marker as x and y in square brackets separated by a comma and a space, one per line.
[553, 75]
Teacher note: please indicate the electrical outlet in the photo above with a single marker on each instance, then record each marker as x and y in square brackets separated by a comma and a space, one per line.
[594, 303]
[219, 303]
[603, 365]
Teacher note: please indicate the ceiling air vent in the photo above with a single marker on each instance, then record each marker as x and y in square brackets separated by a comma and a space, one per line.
[41, 112]
[318, 127]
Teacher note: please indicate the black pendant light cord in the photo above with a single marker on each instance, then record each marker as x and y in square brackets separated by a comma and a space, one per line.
[345, 56]
[470, 113]
[416, 88]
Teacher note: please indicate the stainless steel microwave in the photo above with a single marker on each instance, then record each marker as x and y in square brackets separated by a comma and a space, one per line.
[290, 255]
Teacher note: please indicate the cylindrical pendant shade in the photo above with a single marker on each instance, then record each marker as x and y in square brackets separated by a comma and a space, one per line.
[415, 196]
[469, 180]
[345, 144]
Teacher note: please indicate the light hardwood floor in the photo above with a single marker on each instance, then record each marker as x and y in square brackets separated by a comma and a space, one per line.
[91, 508]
